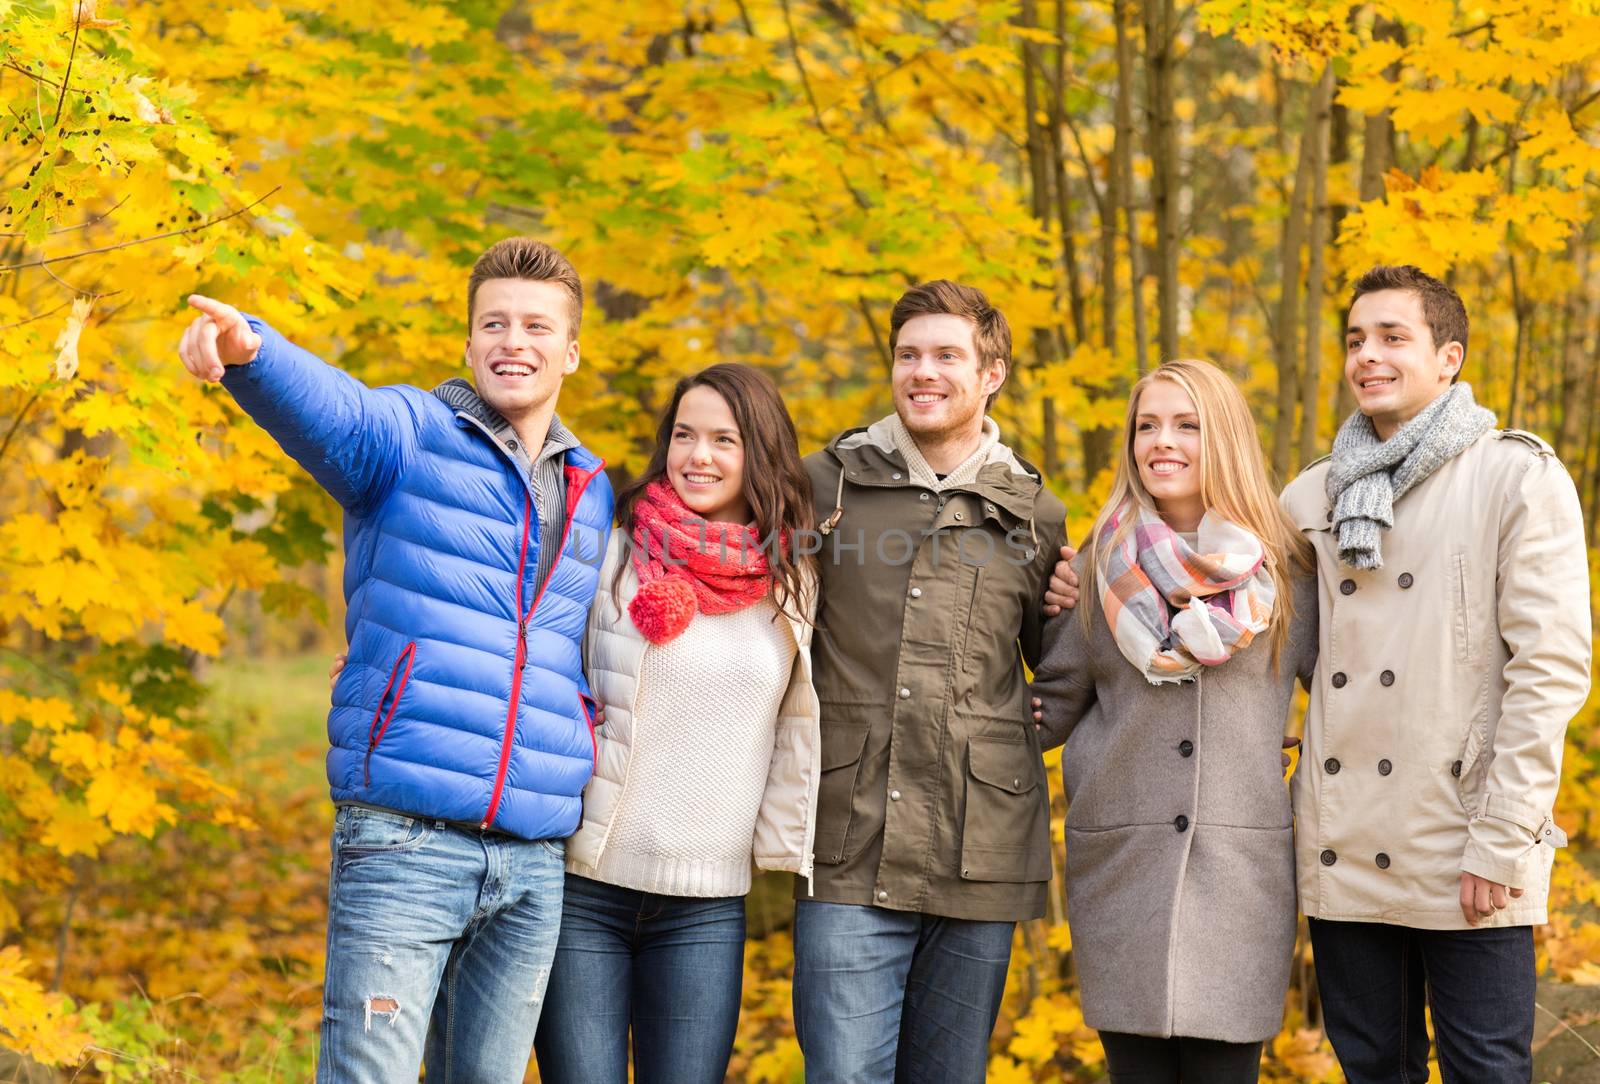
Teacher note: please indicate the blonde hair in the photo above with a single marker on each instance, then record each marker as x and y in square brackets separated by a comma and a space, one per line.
[1233, 483]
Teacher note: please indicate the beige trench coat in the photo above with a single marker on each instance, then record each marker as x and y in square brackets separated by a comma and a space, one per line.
[613, 651]
[1444, 685]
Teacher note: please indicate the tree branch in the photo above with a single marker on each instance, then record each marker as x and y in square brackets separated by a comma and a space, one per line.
[141, 240]
[61, 99]
[86, 223]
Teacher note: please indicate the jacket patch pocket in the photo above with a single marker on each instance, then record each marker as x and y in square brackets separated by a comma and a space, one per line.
[1005, 829]
[842, 746]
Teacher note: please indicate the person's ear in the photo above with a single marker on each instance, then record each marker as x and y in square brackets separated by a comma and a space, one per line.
[1452, 354]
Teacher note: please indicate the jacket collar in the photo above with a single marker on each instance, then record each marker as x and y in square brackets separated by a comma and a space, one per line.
[868, 457]
[462, 397]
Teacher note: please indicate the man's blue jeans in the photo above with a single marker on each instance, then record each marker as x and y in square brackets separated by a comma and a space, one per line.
[883, 995]
[1374, 981]
[437, 937]
[668, 967]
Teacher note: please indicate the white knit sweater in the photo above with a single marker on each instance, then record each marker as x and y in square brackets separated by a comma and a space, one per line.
[709, 754]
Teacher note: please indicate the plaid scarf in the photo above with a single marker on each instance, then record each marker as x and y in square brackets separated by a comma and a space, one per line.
[1172, 608]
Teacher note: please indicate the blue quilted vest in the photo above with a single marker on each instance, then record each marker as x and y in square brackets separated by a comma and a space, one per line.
[464, 697]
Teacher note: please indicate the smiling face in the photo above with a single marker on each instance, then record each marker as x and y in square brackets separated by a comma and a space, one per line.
[940, 391]
[705, 461]
[1166, 450]
[1391, 362]
[520, 346]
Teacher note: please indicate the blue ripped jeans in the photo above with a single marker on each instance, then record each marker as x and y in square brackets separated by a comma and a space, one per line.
[439, 948]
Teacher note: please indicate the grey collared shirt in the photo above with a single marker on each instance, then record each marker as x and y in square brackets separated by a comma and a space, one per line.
[545, 471]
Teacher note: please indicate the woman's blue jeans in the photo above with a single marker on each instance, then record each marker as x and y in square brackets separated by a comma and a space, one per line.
[667, 968]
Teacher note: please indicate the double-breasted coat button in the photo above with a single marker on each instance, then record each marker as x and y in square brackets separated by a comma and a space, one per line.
[905, 694]
[1339, 679]
[1331, 765]
[1455, 769]
[1186, 748]
[1347, 587]
[1384, 767]
[1181, 823]
[1382, 860]
[1329, 858]
[1406, 580]
[1386, 678]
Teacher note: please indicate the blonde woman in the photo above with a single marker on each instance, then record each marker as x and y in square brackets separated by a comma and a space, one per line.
[1170, 687]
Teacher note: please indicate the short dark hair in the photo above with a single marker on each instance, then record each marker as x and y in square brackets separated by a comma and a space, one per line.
[990, 332]
[527, 258]
[1441, 305]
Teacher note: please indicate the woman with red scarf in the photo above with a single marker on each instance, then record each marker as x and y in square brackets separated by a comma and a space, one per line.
[708, 755]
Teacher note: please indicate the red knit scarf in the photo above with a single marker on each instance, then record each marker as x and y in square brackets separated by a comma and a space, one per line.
[687, 564]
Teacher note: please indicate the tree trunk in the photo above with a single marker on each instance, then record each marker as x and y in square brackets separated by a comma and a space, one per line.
[1160, 31]
[1574, 326]
[1319, 125]
[1122, 152]
[1286, 327]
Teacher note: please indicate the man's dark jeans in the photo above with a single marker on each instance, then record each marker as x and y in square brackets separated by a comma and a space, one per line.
[1479, 984]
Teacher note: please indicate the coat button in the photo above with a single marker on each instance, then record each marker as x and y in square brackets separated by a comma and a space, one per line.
[1329, 858]
[1347, 587]
[922, 496]
[512, 445]
[916, 592]
[1455, 769]
[1186, 748]
[882, 895]
[1386, 678]
[1181, 823]
[1331, 765]
[1339, 679]
[958, 517]
[895, 476]
[1016, 783]
[1384, 767]
[1406, 580]
[1382, 860]
[894, 796]
[905, 694]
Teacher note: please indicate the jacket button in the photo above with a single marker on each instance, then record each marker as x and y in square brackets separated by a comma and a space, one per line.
[1181, 823]
[1455, 769]
[1186, 748]
[1384, 767]
[905, 694]
[1347, 587]
[916, 592]
[1331, 765]
[1386, 678]
[882, 895]
[1406, 580]
[1339, 679]
[894, 796]
[1017, 783]
[1329, 858]
[923, 495]
[1382, 860]
[895, 476]
[958, 517]
[512, 445]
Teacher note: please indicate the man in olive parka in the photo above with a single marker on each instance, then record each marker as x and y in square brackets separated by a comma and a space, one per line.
[932, 835]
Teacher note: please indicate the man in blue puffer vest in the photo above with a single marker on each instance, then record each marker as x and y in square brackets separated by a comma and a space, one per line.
[462, 730]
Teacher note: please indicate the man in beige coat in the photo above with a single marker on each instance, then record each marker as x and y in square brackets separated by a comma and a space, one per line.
[1454, 649]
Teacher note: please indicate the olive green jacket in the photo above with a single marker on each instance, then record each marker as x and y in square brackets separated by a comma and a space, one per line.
[933, 795]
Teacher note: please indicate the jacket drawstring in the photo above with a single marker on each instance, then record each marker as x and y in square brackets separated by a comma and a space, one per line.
[827, 525]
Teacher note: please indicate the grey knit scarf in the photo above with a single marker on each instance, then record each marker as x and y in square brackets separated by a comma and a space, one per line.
[1368, 475]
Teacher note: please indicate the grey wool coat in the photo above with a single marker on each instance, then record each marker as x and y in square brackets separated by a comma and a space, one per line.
[1180, 843]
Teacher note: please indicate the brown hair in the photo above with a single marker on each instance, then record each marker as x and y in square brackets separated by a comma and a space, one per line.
[1441, 305]
[990, 332]
[1233, 482]
[776, 486]
[526, 258]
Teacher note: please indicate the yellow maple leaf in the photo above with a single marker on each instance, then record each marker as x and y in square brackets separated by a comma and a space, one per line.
[66, 363]
[72, 829]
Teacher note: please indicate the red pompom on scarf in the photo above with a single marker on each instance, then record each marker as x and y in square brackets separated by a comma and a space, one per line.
[688, 565]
